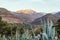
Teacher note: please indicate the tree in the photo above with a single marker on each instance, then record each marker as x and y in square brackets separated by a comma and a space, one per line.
[57, 25]
[3, 26]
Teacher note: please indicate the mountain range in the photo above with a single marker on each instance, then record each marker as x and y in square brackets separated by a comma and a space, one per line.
[26, 15]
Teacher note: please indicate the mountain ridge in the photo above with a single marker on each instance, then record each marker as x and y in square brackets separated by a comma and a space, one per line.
[49, 16]
[58, 14]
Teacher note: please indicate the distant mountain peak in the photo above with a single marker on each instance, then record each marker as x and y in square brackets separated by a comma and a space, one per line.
[26, 11]
[58, 14]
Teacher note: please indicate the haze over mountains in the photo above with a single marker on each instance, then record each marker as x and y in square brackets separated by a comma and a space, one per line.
[26, 15]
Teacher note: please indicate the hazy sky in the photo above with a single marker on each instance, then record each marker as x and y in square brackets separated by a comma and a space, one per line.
[38, 5]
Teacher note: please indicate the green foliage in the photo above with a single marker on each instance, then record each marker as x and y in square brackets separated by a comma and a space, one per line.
[11, 28]
[3, 25]
[57, 25]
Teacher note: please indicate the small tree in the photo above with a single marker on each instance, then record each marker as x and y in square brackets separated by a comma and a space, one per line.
[3, 26]
[57, 25]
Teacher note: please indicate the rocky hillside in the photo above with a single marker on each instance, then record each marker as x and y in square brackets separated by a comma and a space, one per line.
[9, 17]
[45, 17]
